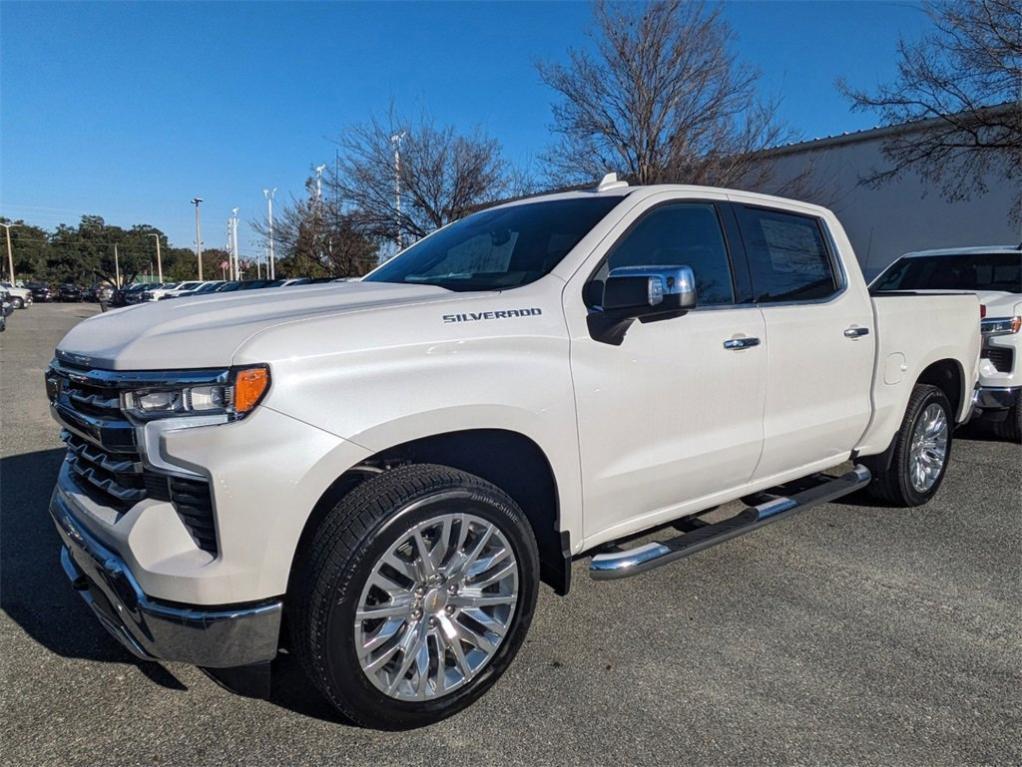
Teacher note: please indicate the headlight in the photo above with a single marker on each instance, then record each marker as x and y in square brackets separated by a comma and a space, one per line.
[236, 398]
[999, 326]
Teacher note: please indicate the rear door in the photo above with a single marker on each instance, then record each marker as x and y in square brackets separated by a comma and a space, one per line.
[819, 339]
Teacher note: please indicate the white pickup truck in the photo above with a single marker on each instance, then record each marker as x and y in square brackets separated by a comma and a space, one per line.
[994, 274]
[388, 468]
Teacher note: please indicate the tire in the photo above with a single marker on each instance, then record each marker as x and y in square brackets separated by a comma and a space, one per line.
[893, 470]
[18, 302]
[1011, 427]
[334, 581]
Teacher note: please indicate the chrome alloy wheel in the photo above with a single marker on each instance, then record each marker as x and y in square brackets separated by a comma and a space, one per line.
[436, 607]
[929, 448]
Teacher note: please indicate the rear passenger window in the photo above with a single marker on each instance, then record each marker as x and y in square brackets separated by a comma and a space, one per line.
[788, 256]
[683, 234]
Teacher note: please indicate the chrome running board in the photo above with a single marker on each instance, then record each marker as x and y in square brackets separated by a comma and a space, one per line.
[699, 535]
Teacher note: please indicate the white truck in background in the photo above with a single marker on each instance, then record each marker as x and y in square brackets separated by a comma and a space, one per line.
[21, 298]
[393, 465]
[994, 274]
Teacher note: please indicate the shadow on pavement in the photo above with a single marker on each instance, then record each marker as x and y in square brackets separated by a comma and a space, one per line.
[293, 691]
[36, 594]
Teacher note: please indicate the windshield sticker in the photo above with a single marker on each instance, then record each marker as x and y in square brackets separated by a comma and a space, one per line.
[497, 315]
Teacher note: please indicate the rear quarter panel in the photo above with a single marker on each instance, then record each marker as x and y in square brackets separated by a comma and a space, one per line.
[913, 332]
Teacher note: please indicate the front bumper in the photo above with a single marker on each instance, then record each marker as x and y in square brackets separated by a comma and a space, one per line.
[995, 397]
[213, 637]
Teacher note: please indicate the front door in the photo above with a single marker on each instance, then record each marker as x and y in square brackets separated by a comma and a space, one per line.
[671, 415]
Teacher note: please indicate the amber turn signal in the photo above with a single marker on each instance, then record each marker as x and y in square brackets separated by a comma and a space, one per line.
[250, 385]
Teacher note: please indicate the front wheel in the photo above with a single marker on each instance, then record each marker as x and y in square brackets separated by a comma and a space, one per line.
[418, 591]
[911, 471]
[18, 302]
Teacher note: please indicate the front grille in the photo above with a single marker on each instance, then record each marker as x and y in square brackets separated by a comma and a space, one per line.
[111, 479]
[105, 463]
[1001, 357]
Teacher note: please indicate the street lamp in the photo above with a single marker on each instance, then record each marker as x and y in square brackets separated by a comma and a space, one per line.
[268, 193]
[396, 141]
[159, 263]
[198, 234]
[234, 244]
[319, 182]
[10, 256]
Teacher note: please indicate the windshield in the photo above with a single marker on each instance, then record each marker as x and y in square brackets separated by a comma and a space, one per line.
[991, 271]
[499, 248]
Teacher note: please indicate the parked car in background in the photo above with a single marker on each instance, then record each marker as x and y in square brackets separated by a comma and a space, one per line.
[100, 293]
[6, 308]
[21, 298]
[205, 289]
[259, 284]
[994, 274]
[41, 292]
[70, 293]
[183, 287]
[128, 294]
[157, 290]
[388, 468]
[232, 285]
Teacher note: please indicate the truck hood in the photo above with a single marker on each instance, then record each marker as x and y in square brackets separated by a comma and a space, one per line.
[205, 331]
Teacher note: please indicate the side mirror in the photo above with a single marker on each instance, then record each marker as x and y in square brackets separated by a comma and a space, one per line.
[646, 293]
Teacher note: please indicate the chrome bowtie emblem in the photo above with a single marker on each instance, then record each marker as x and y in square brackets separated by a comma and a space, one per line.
[77, 359]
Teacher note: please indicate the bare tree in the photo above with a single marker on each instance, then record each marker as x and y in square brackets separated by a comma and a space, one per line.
[441, 176]
[965, 81]
[662, 99]
[316, 237]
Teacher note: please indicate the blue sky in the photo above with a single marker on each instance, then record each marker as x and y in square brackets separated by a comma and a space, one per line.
[130, 110]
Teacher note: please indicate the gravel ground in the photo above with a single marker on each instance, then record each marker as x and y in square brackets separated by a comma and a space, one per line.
[850, 635]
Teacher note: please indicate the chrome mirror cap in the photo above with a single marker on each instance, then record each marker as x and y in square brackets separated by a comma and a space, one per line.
[661, 288]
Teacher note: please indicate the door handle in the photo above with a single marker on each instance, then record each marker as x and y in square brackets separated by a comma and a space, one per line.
[856, 332]
[740, 343]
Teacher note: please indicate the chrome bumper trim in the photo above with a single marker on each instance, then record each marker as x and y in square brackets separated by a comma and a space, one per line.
[995, 397]
[213, 637]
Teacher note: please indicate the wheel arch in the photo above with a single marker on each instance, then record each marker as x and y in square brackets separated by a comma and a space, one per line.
[510, 460]
[948, 375]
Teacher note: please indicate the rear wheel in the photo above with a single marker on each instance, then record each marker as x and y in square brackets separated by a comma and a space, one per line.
[911, 471]
[418, 591]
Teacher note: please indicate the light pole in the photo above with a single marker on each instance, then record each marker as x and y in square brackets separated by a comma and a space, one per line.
[234, 244]
[319, 182]
[117, 267]
[10, 255]
[268, 193]
[318, 234]
[396, 141]
[198, 234]
[159, 263]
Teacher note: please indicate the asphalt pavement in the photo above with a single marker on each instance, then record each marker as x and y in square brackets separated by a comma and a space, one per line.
[850, 635]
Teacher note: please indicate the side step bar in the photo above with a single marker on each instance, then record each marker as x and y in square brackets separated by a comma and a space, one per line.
[701, 535]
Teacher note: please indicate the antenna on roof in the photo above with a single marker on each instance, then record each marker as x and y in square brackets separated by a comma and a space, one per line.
[610, 182]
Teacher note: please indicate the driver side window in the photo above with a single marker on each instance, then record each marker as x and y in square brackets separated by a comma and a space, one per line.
[681, 234]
